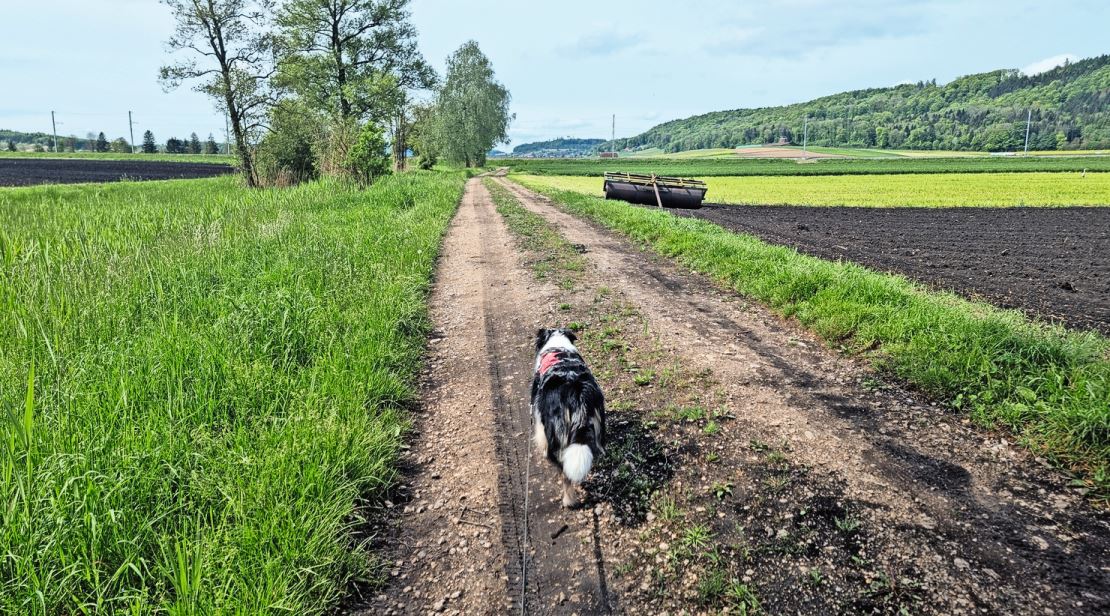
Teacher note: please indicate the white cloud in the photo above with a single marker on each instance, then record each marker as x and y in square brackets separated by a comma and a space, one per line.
[1048, 64]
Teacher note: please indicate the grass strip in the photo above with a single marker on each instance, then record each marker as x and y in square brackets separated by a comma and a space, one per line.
[556, 259]
[1050, 386]
[203, 386]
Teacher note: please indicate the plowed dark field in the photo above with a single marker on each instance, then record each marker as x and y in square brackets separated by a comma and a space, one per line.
[32, 171]
[1053, 263]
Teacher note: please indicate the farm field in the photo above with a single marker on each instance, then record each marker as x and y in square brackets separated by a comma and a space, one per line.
[934, 341]
[32, 171]
[179, 158]
[712, 167]
[1050, 262]
[205, 384]
[943, 190]
[850, 152]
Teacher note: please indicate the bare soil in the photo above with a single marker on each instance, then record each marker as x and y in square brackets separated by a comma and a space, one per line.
[1052, 263]
[747, 463]
[32, 171]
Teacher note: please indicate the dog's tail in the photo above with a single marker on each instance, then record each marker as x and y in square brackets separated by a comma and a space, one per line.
[577, 460]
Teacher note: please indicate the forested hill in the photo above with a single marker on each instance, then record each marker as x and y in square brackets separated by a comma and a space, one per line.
[1070, 109]
[559, 147]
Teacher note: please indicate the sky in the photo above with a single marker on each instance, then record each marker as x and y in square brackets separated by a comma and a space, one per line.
[569, 64]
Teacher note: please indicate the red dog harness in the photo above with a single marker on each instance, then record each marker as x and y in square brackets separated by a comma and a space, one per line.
[549, 359]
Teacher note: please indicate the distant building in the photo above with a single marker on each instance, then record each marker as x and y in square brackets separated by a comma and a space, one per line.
[608, 154]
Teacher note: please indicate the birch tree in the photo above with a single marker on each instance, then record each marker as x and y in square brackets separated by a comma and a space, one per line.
[472, 109]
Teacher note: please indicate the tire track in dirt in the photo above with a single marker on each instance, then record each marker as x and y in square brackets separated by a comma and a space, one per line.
[989, 529]
[458, 546]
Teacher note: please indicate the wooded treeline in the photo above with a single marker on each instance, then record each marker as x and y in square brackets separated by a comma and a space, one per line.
[1069, 105]
[335, 87]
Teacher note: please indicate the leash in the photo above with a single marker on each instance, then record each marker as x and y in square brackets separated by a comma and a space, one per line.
[525, 541]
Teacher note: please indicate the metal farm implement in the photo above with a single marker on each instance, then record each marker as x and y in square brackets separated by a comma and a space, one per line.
[654, 190]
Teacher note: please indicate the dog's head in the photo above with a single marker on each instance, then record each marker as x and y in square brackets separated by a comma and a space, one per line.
[546, 334]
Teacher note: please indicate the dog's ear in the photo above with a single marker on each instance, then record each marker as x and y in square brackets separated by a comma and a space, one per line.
[569, 333]
[542, 335]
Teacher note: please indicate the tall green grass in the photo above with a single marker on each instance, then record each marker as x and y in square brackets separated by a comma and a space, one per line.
[201, 385]
[1048, 385]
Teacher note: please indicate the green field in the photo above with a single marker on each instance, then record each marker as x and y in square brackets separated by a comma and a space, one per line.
[202, 386]
[180, 158]
[711, 166]
[851, 152]
[937, 190]
[1049, 386]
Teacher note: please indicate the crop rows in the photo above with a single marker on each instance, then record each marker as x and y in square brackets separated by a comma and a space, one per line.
[835, 166]
[947, 190]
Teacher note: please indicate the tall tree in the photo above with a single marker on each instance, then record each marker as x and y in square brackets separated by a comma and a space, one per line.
[11, 145]
[175, 146]
[101, 143]
[120, 146]
[472, 110]
[350, 57]
[210, 146]
[233, 45]
[150, 146]
[194, 144]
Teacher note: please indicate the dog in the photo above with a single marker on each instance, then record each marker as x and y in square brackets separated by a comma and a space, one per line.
[568, 410]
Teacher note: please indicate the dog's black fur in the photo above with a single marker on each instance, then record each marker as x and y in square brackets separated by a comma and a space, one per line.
[569, 405]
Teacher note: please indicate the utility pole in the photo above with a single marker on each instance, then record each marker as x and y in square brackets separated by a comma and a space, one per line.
[131, 127]
[805, 137]
[1028, 123]
[54, 125]
[613, 136]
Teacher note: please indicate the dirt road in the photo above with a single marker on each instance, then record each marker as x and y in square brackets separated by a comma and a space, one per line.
[749, 464]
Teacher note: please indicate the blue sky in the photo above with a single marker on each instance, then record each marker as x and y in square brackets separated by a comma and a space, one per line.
[569, 64]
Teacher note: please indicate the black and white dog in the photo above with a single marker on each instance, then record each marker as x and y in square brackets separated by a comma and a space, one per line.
[568, 409]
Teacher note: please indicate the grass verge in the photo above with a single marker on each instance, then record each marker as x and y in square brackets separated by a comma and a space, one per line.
[202, 387]
[936, 190]
[1049, 386]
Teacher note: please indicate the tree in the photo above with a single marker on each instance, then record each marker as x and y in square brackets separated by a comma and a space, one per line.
[232, 40]
[335, 53]
[176, 146]
[150, 146]
[71, 143]
[194, 144]
[120, 146]
[357, 59]
[210, 146]
[472, 110]
[11, 146]
[101, 143]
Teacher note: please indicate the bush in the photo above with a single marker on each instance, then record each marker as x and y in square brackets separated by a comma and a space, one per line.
[367, 158]
[288, 154]
[426, 161]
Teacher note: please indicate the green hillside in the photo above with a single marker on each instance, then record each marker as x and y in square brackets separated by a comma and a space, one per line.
[1070, 110]
[563, 146]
